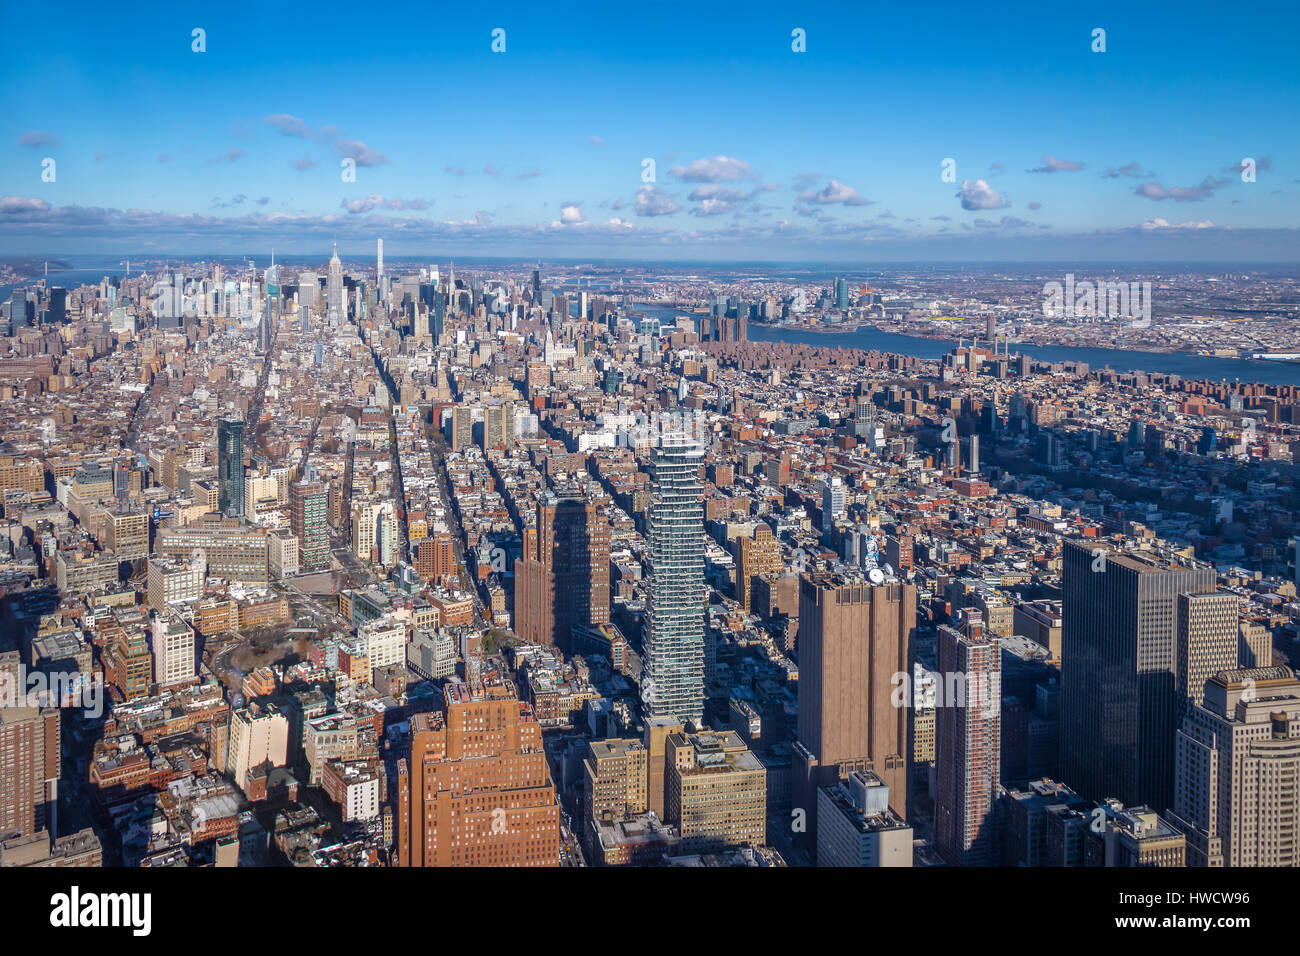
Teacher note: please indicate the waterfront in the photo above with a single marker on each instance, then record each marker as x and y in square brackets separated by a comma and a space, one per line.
[1120, 360]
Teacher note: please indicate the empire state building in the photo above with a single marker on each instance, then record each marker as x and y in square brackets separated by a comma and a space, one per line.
[338, 309]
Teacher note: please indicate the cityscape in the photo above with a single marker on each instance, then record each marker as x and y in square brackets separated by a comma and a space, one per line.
[646, 508]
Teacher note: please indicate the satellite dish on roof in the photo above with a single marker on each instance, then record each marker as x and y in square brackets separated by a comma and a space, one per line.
[876, 576]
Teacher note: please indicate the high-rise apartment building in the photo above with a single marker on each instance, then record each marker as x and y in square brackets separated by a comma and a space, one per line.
[1237, 770]
[477, 789]
[562, 581]
[854, 637]
[968, 743]
[498, 425]
[29, 759]
[1119, 651]
[672, 683]
[230, 466]
[308, 501]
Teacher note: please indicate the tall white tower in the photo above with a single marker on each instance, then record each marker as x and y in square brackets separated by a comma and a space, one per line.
[338, 307]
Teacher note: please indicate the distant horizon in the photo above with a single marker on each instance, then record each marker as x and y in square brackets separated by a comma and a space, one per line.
[861, 264]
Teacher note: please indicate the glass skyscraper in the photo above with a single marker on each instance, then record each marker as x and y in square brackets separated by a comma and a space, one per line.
[230, 466]
[673, 682]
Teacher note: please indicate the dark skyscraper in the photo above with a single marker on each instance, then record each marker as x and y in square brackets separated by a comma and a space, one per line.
[1119, 657]
[562, 581]
[853, 640]
[230, 466]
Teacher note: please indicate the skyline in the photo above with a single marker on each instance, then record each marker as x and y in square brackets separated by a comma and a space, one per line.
[761, 153]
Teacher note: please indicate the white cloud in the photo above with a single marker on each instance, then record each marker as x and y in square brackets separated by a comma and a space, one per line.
[978, 194]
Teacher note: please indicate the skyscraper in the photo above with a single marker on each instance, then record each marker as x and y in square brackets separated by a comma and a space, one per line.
[673, 682]
[1237, 763]
[230, 466]
[562, 580]
[1119, 645]
[379, 261]
[968, 743]
[338, 307]
[853, 638]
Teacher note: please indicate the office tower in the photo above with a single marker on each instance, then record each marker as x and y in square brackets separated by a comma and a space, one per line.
[29, 756]
[853, 639]
[58, 308]
[307, 505]
[18, 309]
[230, 466]
[673, 681]
[1255, 643]
[841, 293]
[856, 826]
[477, 789]
[759, 553]
[1237, 766]
[1119, 645]
[173, 650]
[562, 582]
[379, 261]
[991, 330]
[338, 307]
[1208, 640]
[716, 791]
[968, 744]
[970, 447]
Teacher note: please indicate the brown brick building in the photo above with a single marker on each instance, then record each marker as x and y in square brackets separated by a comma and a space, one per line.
[477, 790]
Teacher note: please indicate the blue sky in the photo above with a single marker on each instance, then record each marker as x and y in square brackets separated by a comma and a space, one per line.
[832, 154]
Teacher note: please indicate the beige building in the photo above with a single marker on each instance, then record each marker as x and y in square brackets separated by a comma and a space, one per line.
[173, 650]
[257, 735]
[855, 826]
[1236, 770]
[170, 581]
[616, 776]
[716, 791]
